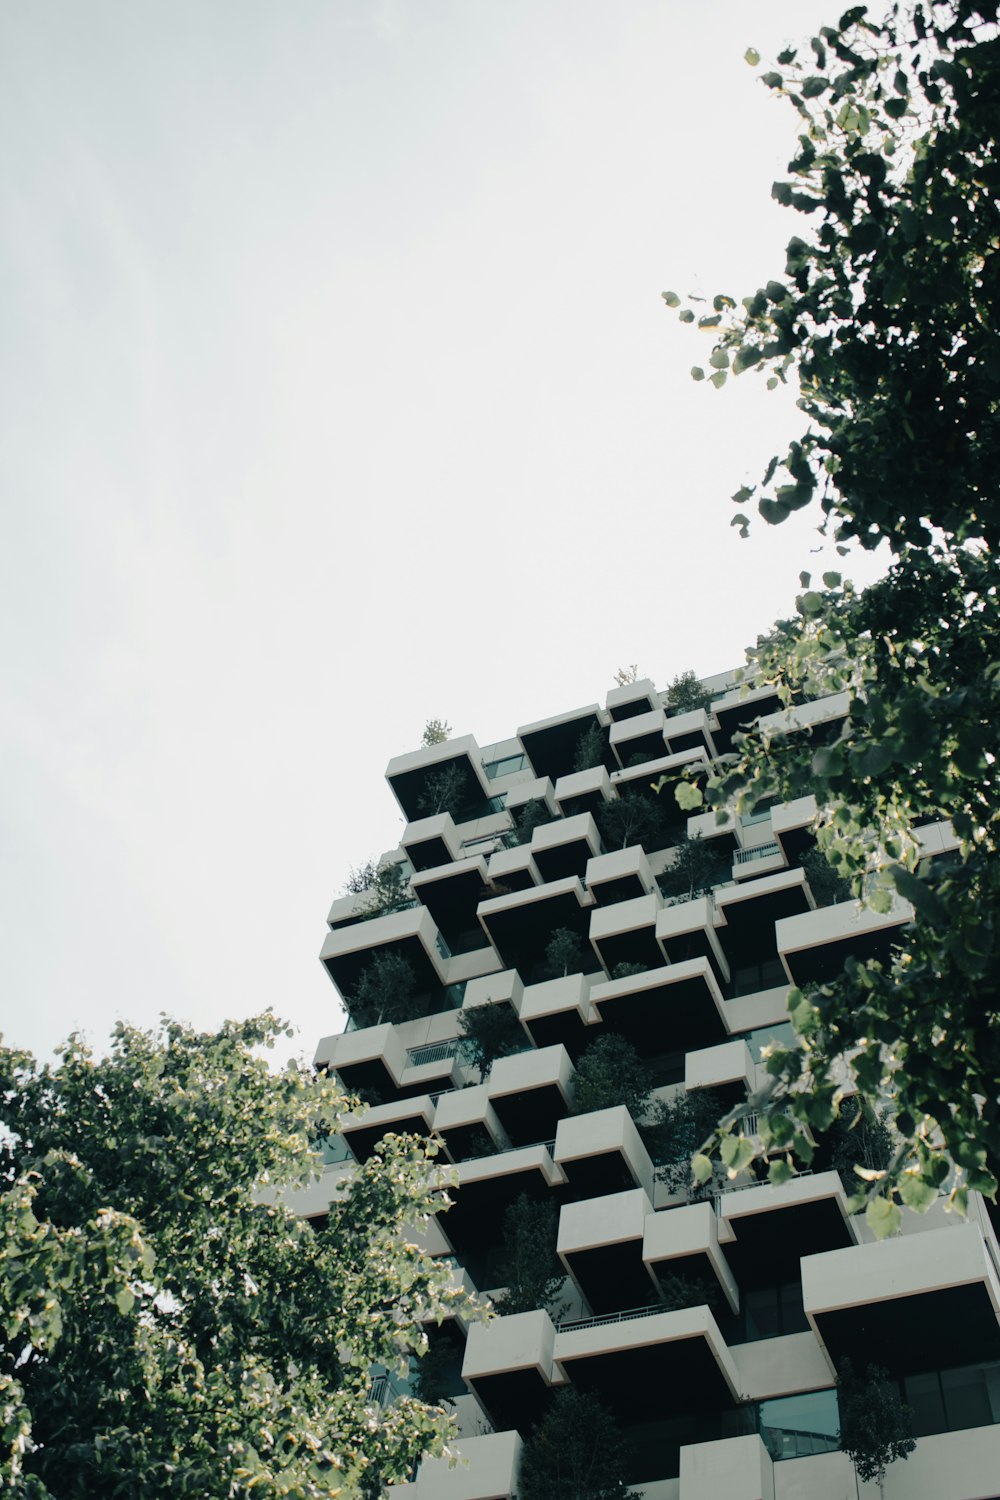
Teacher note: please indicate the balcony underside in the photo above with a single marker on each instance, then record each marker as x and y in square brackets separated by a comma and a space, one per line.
[675, 1015]
[932, 1330]
[769, 1246]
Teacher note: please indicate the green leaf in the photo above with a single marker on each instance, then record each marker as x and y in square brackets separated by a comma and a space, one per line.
[880, 901]
[737, 1153]
[697, 373]
[832, 580]
[920, 895]
[916, 1193]
[718, 379]
[779, 1171]
[719, 359]
[811, 603]
[671, 299]
[124, 1301]
[883, 1217]
[686, 315]
[688, 796]
[701, 1168]
[751, 56]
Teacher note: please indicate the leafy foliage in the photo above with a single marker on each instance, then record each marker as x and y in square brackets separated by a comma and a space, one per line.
[632, 817]
[676, 1131]
[589, 750]
[531, 1272]
[679, 1292]
[436, 732]
[687, 693]
[885, 317]
[526, 818]
[489, 1032]
[170, 1327]
[826, 885]
[576, 1452]
[444, 791]
[567, 953]
[387, 884]
[609, 1073]
[875, 1425]
[625, 676]
[385, 992]
[858, 1138]
[696, 869]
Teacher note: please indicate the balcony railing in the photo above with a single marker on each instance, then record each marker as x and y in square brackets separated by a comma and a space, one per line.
[432, 1052]
[571, 1324]
[761, 851]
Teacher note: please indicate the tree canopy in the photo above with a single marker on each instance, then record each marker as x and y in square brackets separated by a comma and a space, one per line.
[885, 317]
[169, 1326]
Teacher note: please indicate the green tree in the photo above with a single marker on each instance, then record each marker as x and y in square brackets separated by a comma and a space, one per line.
[876, 1427]
[567, 953]
[610, 1072]
[576, 1452]
[858, 1138]
[632, 818]
[525, 820]
[489, 1032]
[686, 693]
[387, 886]
[444, 790]
[884, 316]
[697, 869]
[676, 1131]
[589, 749]
[169, 1326]
[436, 732]
[531, 1272]
[826, 885]
[385, 992]
[625, 676]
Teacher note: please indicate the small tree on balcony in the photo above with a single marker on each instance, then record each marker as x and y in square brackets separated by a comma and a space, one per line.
[677, 1130]
[436, 731]
[444, 791]
[826, 885]
[697, 868]
[631, 818]
[625, 676]
[858, 1138]
[577, 1452]
[589, 749]
[876, 1426]
[566, 953]
[384, 992]
[526, 818]
[687, 693]
[488, 1032]
[609, 1073]
[530, 1270]
[387, 885]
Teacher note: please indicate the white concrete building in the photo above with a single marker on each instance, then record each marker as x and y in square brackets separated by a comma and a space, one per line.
[732, 1396]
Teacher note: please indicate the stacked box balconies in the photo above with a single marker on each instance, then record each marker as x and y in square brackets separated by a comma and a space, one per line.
[709, 1321]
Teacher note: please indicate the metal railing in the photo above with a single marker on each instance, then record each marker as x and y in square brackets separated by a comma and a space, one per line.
[759, 851]
[432, 1052]
[572, 1324]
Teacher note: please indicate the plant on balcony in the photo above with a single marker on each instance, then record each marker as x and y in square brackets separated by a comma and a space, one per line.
[685, 694]
[385, 992]
[876, 1426]
[676, 1130]
[697, 868]
[625, 676]
[437, 1377]
[436, 731]
[488, 1032]
[387, 886]
[609, 1073]
[632, 818]
[525, 819]
[566, 953]
[167, 1330]
[530, 1271]
[680, 1291]
[445, 790]
[628, 971]
[858, 1137]
[589, 750]
[577, 1452]
[826, 885]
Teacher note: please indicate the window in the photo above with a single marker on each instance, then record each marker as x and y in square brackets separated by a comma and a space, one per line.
[505, 767]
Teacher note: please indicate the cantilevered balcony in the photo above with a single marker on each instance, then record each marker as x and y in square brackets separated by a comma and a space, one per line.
[508, 1363]
[687, 1242]
[468, 1124]
[625, 932]
[772, 1227]
[791, 824]
[537, 789]
[640, 739]
[512, 870]
[487, 1469]
[747, 914]
[737, 1468]
[814, 945]
[371, 1060]
[924, 1301]
[632, 698]
[411, 934]
[452, 893]
[413, 1116]
[520, 925]
[621, 875]
[668, 1009]
[727, 1069]
[432, 841]
[565, 846]
[738, 709]
[531, 1092]
[820, 717]
[600, 1244]
[690, 731]
[418, 778]
[551, 744]
[558, 1011]
[583, 791]
[602, 1152]
[486, 1188]
[687, 929]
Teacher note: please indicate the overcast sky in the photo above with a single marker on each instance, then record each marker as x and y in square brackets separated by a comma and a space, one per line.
[337, 394]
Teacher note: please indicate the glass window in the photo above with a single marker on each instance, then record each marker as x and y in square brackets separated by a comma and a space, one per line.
[505, 767]
[782, 1033]
[922, 1393]
[966, 1398]
[797, 1426]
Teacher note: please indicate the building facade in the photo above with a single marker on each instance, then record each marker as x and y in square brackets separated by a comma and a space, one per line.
[710, 1323]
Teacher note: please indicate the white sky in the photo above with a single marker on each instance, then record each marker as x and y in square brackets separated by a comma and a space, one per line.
[337, 394]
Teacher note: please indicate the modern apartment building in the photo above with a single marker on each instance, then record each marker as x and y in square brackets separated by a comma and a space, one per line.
[733, 1396]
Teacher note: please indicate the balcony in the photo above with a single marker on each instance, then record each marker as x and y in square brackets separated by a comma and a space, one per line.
[520, 925]
[468, 1124]
[625, 932]
[428, 842]
[791, 826]
[773, 1227]
[738, 1468]
[928, 1300]
[565, 846]
[686, 930]
[814, 944]
[453, 768]
[640, 738]
[538, 789]
[411, 934]
[487, 1186]
[601, 1153]
[600, 1244]
[487, 1469]
[583, 791]
[690, 731]
[727, 1068]
[820, 717]
[632, 698]
[531, 1092]
[738, 709]
[551, 744]
[412, 1116]
[508, 1364]
[452, 893]
[687, 1242]
[512, 870]
[759, 859]
[558, 1012]
[371, 1060]
[623, 875]
[668, 1009]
